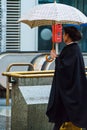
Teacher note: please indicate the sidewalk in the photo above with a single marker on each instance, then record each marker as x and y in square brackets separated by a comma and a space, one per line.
[5, 115]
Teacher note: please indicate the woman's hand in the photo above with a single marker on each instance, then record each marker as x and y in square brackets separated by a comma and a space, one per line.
[53, 54]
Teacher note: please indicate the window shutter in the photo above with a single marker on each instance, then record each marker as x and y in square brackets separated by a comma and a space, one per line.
[12, 27]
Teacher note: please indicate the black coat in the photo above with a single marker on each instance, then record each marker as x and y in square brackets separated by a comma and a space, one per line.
[68, 97]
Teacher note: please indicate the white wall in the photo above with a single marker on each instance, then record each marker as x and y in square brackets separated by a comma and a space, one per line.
[28, 35]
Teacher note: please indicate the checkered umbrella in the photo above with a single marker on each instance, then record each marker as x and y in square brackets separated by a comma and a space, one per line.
[53, 13]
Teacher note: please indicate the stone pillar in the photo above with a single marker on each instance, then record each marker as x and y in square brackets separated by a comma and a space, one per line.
[29, 103]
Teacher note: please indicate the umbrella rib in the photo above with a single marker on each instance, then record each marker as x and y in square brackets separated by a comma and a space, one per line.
[33, 24]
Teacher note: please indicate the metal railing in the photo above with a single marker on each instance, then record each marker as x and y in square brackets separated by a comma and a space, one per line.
[26, 74]
[7, 80]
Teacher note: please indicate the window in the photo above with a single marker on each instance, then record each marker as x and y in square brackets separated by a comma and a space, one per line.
[82, 6]
[45, 1]
[44, 38]
[85, 7]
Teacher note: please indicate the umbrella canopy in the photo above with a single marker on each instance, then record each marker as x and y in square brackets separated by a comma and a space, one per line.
[53, 13]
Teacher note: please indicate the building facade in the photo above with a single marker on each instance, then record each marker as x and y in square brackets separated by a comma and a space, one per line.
[16, 36]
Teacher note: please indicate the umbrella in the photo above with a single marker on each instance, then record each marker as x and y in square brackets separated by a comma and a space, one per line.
[53, 13]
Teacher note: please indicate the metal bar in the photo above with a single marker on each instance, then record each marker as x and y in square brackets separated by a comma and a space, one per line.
[18, 75]
[28, 72]
[7, 80]
[19, 64]
[28, 75]
[25, 74]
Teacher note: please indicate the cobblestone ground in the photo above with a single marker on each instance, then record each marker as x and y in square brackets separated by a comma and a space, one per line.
[5, 116]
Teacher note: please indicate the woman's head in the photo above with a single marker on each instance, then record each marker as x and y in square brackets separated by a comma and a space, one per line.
[72, 33]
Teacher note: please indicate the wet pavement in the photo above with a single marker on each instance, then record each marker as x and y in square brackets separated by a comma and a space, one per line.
[5, 115]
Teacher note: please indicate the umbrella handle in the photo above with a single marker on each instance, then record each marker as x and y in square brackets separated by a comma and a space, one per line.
[49, 59]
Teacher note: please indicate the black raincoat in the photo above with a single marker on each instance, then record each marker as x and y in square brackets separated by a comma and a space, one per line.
[68, 97]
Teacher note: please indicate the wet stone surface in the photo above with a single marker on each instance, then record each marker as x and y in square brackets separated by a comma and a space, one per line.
[5, 115]
[5, 123]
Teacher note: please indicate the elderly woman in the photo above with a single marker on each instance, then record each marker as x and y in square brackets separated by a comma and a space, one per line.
[67, 101]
